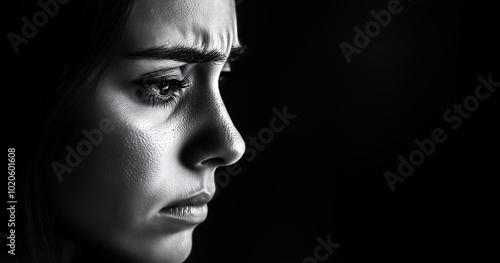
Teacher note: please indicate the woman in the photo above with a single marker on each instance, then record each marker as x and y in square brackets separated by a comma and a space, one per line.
[130, 128]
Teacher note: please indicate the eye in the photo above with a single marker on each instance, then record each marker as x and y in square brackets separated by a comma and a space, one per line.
[160, 91]
[222, 78]
[226, 70]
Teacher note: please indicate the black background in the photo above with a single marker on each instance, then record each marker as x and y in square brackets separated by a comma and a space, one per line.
[323, 174]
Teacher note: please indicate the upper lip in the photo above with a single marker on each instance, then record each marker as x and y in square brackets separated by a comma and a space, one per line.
[196, 199]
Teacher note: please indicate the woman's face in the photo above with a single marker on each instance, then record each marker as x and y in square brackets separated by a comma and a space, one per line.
[158, 129]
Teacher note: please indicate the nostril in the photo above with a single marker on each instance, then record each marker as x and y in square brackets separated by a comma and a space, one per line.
[211, 147]
[214, 162]
[227, 153]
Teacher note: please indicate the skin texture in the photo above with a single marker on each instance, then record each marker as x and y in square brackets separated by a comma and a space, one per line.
[155, 154]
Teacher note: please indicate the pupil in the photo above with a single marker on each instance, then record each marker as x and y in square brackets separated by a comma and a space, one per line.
[164, 90]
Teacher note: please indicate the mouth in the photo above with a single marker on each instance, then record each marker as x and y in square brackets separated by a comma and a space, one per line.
[192, 210]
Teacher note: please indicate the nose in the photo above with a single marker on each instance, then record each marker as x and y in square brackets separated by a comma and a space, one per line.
[212, 138]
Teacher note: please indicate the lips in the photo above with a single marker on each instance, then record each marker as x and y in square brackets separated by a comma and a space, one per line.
[201, 198]
[191, 210]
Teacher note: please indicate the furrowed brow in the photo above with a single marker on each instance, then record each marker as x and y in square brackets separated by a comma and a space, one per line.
[183, 54]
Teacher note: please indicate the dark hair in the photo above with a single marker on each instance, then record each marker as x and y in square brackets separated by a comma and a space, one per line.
[56, 70]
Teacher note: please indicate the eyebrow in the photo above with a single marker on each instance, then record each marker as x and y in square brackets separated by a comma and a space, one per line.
[187, 54]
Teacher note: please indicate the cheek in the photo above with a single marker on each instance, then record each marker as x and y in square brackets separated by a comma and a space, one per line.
[111, 180]
[114, 195]
[116, 189]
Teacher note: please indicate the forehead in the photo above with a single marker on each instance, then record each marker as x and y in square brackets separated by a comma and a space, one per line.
[202, 24]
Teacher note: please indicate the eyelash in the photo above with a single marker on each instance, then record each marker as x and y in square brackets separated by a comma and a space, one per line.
[153, 88]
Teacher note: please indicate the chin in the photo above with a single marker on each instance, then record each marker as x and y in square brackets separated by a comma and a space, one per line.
[172, 248]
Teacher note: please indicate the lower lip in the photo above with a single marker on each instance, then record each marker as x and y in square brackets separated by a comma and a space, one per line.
[190, 214]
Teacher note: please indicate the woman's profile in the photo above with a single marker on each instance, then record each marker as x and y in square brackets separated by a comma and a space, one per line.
[128, 128]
